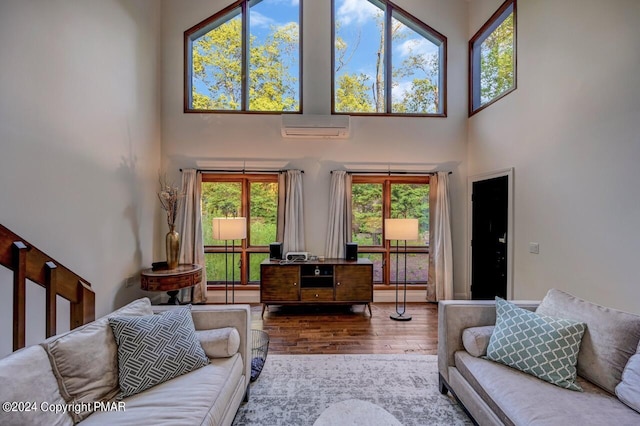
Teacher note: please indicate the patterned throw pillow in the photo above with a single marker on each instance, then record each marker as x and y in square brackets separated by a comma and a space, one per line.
[155, 348]
[628, 390]
[542, 346]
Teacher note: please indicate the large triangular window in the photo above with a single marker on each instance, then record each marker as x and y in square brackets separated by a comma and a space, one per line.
[386, 61]
[245, 58]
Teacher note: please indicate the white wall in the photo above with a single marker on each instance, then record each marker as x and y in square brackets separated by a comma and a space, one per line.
[80, 139]
[190, 139]
[572, 132]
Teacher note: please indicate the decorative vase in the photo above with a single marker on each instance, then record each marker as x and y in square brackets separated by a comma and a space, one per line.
[173, 247]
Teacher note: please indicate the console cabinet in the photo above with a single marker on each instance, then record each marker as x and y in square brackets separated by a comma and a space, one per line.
[334, 281]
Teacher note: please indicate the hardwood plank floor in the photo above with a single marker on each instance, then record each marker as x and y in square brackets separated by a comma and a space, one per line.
[348, 330]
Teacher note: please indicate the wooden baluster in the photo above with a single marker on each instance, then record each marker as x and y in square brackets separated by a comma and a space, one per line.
[83, 311]
[19, 293]
[51, 289]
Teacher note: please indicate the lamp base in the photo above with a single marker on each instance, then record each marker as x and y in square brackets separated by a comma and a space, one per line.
[399, 317]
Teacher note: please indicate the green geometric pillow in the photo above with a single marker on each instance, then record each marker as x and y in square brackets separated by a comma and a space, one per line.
[155, 348]
[542, 346]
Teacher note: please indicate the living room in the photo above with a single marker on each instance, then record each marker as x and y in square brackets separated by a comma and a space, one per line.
[92, 109]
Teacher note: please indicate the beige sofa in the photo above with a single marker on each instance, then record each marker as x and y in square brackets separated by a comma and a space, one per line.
[73, 377]
[496, 394]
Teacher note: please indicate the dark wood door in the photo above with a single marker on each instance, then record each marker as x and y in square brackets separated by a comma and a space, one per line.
[490, 200]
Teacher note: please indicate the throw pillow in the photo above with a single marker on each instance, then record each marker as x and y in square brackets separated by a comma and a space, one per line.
[544, 347]
[155, 348]
[628, 390]
[476, 339]
[610, 339]
[220, 342]
[85, 359]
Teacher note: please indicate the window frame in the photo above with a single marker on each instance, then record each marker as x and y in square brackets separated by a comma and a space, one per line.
[508, 7]
[201, 28]
[390, 8]
[244, 249]
[386, 248]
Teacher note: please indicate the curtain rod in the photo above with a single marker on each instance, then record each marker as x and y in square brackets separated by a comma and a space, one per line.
[243, 171]
[369, 172]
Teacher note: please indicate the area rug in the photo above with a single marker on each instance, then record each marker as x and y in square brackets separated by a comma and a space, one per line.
[296, 389]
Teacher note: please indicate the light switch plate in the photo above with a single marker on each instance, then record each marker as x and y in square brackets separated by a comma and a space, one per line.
[534, 248]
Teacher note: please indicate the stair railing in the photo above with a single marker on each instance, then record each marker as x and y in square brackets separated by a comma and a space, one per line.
[29, 263]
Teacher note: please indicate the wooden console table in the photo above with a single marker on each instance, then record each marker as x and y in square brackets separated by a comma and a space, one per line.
[334, 281]
[171, 280]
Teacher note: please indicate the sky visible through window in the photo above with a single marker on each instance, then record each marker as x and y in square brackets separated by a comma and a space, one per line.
[274, 59]
[358, 79]
[268, 15]
[361, 75]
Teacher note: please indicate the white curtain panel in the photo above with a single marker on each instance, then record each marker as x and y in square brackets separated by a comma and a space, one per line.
[440, 282]
[292, 209]
[189, 223]
[339, 228]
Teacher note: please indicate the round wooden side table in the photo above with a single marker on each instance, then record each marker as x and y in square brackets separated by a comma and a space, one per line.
[171, 280]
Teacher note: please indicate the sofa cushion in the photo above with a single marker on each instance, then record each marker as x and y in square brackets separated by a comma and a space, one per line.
[202, 397]
[476, 339]
[611, 337]
[85, 360]
[628, 390]
[26, 375]
[219, 343]
[542, 346]
[520, 399]
[155, 348]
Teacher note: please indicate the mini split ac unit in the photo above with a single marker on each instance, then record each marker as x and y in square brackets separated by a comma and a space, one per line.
[315, 126]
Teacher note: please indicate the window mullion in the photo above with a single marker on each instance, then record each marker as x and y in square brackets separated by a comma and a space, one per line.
[386, 213]
[245, 57]
[388, 65]
[244, 277]
[246, 199]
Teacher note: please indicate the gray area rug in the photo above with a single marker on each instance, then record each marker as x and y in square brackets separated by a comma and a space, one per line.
[296, 389]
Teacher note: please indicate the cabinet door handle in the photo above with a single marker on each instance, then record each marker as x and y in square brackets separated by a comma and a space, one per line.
[338, 284]
[295, 284]
[317, 296]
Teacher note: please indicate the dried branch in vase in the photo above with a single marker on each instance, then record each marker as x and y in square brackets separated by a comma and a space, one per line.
[169, 197]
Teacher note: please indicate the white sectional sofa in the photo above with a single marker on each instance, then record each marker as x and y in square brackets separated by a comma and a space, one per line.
[73, 377]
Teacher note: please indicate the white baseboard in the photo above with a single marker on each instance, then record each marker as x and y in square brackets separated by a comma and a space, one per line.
[244, 296]
[390, 296]
[461, 296]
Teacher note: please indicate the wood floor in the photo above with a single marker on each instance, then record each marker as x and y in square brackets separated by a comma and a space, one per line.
[348, 330]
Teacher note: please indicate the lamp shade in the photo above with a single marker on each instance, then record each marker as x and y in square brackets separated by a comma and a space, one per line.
[401, 229]
[229, 228]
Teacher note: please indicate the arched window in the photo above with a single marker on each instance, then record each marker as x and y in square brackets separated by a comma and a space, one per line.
[386, 61]
[245, 58]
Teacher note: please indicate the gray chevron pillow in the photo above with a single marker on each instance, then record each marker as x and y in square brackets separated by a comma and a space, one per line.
[155, 348]
[545, 347]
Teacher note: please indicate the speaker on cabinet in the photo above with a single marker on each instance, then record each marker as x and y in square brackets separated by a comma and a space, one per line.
[351, 251]
[275, 251]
